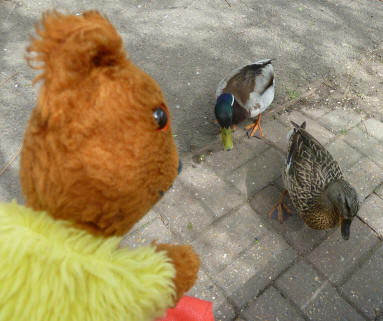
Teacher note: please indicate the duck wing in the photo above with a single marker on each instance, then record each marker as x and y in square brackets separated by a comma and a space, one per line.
[251, 85]
[309, 168]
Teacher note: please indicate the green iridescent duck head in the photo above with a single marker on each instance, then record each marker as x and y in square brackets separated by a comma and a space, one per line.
[224, 115]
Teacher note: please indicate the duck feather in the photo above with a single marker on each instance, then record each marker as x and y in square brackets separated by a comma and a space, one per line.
[309, 168]
[251, 85]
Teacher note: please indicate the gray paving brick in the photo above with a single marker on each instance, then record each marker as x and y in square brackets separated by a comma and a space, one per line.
[345, 155]
[314, 295]
[365, 176]
[10, 187]
[365, 288]
[257, 173]
[366, 144]
[223, 162]
[336, 257]
[276, 132]
[225, 239]
[225, 312]
[271, 306]
[205, 289]
[379, 191]
[256, 268]
[374, 128]
[318, 131]
[339, 120]
[290, 283]
[293, 228]
[371, 212]
[145, 221]
[183, 213]
[154, 230]
[211, 189]
[315, 113]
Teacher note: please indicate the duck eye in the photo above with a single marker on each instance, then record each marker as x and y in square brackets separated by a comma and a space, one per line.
[161, 116]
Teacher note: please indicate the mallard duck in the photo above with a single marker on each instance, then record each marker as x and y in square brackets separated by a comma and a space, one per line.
[316, 185]
[246, 93]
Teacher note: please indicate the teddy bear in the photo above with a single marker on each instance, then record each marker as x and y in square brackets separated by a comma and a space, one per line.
[98, 153]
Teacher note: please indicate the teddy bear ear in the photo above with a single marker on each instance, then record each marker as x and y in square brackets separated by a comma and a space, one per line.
[73, 45]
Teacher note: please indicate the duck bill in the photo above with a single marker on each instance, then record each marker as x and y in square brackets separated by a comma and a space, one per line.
[227, 139]
[345, 229]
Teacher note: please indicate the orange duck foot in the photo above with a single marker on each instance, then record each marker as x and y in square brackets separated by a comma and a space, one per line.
[280, 206]
[254, 126]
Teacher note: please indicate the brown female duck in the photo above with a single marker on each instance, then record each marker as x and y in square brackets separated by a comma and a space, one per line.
[316, 185]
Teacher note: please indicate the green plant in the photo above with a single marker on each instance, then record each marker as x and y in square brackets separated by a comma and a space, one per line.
[293, 94]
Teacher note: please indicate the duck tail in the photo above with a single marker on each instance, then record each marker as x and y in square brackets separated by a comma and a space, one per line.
[303, 125]
[263, 62]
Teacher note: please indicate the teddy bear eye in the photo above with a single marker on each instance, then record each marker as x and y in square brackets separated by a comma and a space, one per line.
[161, 116]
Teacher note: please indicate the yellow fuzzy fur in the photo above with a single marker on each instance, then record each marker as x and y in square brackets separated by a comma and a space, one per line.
[77, 276]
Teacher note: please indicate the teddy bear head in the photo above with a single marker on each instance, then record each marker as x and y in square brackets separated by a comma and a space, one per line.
[98, 149]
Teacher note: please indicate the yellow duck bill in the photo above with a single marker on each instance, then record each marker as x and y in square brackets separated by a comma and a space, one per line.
[227, 139]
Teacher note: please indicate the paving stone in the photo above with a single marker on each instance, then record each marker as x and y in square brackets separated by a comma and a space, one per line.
[290, 283]
[366, 144]
[344, 154]
[314, 295]
[379, 191]
[256, 268]
[374, 128]
[336, 257]
[218, 195]
[371, 212]
[224, 162]
[205, 289]
[365, 288]
[365, 176]
[225, 239]
[276, 132]
[155, 230]
[293, 228]
[257, 173]
[185, 215]
[10, 187]
[271, 306]
[279, 183]
[225, 312]
[340, 120]
[313, 127]
[315, 113]
[145, 221]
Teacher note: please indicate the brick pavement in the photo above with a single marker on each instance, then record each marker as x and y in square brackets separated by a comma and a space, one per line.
[253, 267]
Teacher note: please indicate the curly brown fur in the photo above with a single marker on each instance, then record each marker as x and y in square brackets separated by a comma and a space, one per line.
[92, 151]
[186, 263]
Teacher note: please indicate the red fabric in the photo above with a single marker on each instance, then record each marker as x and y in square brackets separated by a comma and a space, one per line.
[190, 309]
